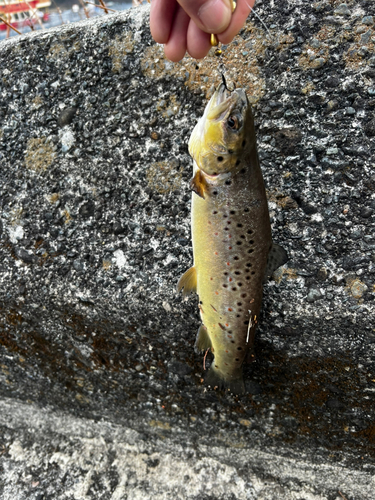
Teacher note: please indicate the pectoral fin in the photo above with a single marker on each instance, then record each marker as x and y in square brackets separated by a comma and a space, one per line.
[188, 282]
[203, 341]
[198, 184]
[277, 256]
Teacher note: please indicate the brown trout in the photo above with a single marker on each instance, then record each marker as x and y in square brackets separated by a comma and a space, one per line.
[231, 233]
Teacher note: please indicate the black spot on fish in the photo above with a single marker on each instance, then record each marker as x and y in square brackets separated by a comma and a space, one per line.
[237, 359]
[239, 348]
[239, 303]
[228, 183]
[249, 264]
[214, 193]
[220, 158]
[247, 277]
[225, 215]
[243, 143]
[251, 250]
[232, 341]
[251, 242]
[238, 242]
[234, 289]
[243, 295]
[239, 225]
[242, 236]
[229, 222]
[230, 151]
[246, 210]
[235, 258]
[237, 272]
[225, 286]
[237, 163]
[250, 231]
[252, 272]
[232, 212]
[239, 284]
[243, 170]
[214, 212]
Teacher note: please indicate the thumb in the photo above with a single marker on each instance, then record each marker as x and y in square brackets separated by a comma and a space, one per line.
[211, 16]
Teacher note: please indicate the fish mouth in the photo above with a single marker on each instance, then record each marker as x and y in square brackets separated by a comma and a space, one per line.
[224, 101]
[221, 94]
[219, 103]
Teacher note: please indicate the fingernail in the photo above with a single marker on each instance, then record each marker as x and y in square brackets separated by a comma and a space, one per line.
[215, 15]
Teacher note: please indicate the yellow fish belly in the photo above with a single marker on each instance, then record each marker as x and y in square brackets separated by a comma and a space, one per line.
[231, 240]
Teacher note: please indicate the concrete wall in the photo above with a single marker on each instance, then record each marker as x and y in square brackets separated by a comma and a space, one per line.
[94, 233]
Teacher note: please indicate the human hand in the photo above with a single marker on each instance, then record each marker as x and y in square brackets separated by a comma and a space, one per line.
[186, 25]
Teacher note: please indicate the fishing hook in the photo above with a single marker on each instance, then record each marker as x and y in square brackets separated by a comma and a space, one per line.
[222, 71]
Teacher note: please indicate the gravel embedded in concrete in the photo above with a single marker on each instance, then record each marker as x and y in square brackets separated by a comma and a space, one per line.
[95, 232]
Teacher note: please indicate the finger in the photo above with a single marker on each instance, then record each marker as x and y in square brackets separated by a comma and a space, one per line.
[175, 48]
[198, 42]
[211, 16]
[243, 9]
[161, 19]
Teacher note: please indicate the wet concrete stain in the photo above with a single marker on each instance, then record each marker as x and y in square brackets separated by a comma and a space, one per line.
[321, 401]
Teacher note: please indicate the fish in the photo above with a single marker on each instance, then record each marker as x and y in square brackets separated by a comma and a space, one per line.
[231, 236]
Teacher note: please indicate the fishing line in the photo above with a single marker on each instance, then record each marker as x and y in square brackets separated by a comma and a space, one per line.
[258, 17]
[248, 327]
[219, 52]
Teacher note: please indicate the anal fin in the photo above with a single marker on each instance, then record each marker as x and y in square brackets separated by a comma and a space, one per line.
[277, 256]
[198, 184]
[203, 341]
[188, 282]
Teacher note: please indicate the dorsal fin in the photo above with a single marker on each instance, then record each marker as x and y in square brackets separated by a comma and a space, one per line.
[277, 256]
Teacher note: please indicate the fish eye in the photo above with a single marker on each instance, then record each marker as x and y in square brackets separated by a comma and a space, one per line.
[234, 122]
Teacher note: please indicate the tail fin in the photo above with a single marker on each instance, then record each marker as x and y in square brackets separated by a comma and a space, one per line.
[215, 379]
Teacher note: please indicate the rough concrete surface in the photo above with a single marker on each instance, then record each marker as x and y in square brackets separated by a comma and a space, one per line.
[57, 455]
[101, 391]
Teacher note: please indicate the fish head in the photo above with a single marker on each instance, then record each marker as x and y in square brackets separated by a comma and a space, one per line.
[222, 134]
